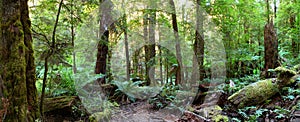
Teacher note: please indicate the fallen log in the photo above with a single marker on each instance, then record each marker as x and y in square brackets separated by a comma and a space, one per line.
[260, 91]
[68, 106]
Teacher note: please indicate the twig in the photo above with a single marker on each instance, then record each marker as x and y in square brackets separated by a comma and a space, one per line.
[294, 102]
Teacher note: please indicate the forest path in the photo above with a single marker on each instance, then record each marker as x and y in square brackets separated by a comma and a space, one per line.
[141, 111]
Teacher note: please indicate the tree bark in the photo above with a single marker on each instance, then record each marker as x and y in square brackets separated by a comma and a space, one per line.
[271, 49]
[17, 74]
[199, 41]
[294, 44]
[179, 74]
[102, 50]
[160, 55]
[124, 28]
[152, 23]
[30, 67]
[146, 39]
[73, 37]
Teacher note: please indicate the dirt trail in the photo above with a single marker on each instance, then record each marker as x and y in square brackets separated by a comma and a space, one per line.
[141, 112]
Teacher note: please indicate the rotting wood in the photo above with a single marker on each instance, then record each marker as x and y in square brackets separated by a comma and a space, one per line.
[262, 90]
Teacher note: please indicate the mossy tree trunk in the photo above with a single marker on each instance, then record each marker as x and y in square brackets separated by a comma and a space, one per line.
[30, 67]
[17, 74]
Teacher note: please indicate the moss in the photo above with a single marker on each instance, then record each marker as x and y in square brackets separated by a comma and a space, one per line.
[284, 73]
[100, 116]
[296, 68]
[254, 93]
[220, 118]
[210, 111]
[260, 91]
[58, 102]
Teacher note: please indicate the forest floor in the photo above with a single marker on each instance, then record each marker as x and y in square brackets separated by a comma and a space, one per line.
[277, 108]
[141, 111]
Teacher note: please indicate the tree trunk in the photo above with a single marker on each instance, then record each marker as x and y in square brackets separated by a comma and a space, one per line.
[44, 87]
[152, 23]
[17, 74]
[179, 74]
[126, 50]
[102, 56]
[147, 52]
[135, 63]
[294, 44]
[124, 29]
[160, 55]
[271, 46]
[271, 49]
[73, 38]
[199, 41]
[52, 50]
[102, 48]
[30, 68]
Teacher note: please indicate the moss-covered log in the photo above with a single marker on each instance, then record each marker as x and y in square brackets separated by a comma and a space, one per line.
[66, 107]
[60, 103]
[260, 91]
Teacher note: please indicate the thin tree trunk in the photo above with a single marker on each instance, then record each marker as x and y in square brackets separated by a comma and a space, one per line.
[152, 23]
[147, 50]
[126, 45]
[179, 74]
[73, 38]
[294, 44]
[160, 55]
[56, 22]
[199, 42]
[126, 49]
[50, 53]
[43, 88]
[135, 64]
[268, 10]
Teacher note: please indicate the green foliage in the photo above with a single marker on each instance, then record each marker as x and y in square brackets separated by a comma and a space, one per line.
[235, 120]
[241, 23]
[245, 113]
[60, 81]
[240, 83]
[107, 108]
[134, 90]
[289, 93]
[281, 112]
[166, 96]
[125, 88]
